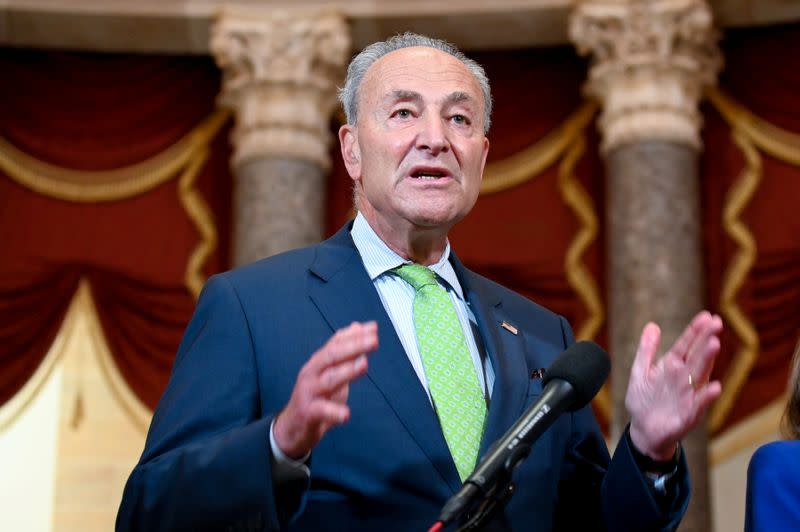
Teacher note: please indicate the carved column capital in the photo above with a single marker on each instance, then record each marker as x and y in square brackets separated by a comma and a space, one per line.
[280, 76]
[651, 60]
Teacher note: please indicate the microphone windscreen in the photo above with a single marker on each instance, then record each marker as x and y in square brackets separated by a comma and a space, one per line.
[585, 365]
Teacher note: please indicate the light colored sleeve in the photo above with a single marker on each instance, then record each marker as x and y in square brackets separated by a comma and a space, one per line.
[285, 468]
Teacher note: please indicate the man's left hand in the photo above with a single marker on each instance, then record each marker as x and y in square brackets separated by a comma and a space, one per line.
[668, 398]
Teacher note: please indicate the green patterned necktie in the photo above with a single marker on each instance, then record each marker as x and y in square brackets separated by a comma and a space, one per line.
[452, 380]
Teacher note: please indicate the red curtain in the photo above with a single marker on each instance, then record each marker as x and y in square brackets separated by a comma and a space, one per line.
[520, 236]
[100, 112]
[761, 76]
[91, 112]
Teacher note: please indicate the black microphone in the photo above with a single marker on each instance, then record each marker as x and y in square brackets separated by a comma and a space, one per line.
[569, 384]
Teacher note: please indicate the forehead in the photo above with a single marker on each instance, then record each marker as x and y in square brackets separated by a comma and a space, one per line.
[427, 71]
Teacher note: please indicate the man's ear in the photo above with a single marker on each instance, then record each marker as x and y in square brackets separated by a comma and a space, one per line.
[351, 151]
[485, 154]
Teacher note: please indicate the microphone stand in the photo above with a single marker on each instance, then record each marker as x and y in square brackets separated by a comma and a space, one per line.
[488, 508]
[499, 496]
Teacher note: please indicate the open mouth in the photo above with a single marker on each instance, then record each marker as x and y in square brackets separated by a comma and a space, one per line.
[428, 175]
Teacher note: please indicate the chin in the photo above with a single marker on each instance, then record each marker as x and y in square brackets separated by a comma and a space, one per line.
[432, 220]
[433, 212]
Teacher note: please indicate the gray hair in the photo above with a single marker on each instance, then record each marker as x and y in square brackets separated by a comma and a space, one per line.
[358, 67]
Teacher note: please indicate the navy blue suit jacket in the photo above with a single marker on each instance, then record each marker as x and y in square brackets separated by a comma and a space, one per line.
[207, 460]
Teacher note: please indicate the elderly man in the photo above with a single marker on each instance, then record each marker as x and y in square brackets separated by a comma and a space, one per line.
[353, 385]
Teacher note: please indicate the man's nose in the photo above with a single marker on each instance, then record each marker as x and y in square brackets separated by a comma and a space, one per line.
[432, 135]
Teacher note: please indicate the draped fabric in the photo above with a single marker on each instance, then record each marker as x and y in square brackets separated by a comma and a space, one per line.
[101, 112]
[763, 77]
[96, 112]
[520, 236]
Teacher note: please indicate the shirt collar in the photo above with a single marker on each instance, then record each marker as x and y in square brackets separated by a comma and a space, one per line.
[378, 258]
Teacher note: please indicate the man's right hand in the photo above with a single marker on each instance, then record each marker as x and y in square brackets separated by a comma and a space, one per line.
[319, 397]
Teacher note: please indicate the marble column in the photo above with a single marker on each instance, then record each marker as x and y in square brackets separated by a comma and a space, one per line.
[650, 62]
[280, 77]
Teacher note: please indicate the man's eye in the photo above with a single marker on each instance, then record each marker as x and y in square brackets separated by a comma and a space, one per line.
[460, 119]
[402, 113]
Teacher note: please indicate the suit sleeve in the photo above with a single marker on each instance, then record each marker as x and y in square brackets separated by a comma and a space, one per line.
[207, 462]
[595, 489]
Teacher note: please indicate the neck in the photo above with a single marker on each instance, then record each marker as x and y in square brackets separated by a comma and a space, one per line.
[422, 245]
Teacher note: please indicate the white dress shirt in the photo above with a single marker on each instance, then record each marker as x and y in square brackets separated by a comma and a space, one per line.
[397, 297]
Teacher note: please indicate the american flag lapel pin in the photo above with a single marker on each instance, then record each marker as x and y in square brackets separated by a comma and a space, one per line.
[510, 328]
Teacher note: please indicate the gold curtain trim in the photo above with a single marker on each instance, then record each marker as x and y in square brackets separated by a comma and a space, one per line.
[11, 411]
[749, 132]
[738, 197]
[578, 275]
[777, 142]
[187, 156]
[82, 305]
[200, 214]
[138, 413]
[565, 142]
[526, 164]
[109, 185]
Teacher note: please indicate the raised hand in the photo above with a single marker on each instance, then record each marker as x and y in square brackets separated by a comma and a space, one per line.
[668, 397]
[319, 397]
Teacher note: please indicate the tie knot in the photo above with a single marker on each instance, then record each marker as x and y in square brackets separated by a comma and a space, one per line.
[416, 275]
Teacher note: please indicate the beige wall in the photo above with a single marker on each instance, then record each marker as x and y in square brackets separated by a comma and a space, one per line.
[728, 485]
[28, 448]
[730, 455]
[64, 465]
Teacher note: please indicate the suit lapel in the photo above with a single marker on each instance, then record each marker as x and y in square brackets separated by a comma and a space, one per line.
[345, 294]
[505, 350]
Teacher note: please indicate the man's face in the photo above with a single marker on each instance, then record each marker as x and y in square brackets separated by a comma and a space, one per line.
[418, 151]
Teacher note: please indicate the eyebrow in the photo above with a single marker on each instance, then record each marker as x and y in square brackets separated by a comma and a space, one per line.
[459, 97]
[403, 95]
[406, 95]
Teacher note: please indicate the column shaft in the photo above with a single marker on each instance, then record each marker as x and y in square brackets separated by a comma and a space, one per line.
[278, 205]
[651, 60]
[281, 73]
[655, 273]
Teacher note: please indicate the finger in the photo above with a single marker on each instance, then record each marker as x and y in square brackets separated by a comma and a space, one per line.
[356, 340]
[335, 377]
[345, 345]
[710, 329]
[646, 352]
[705, 396]
[684, 342]
[702, 363]
[328, 413]
[340, 395]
